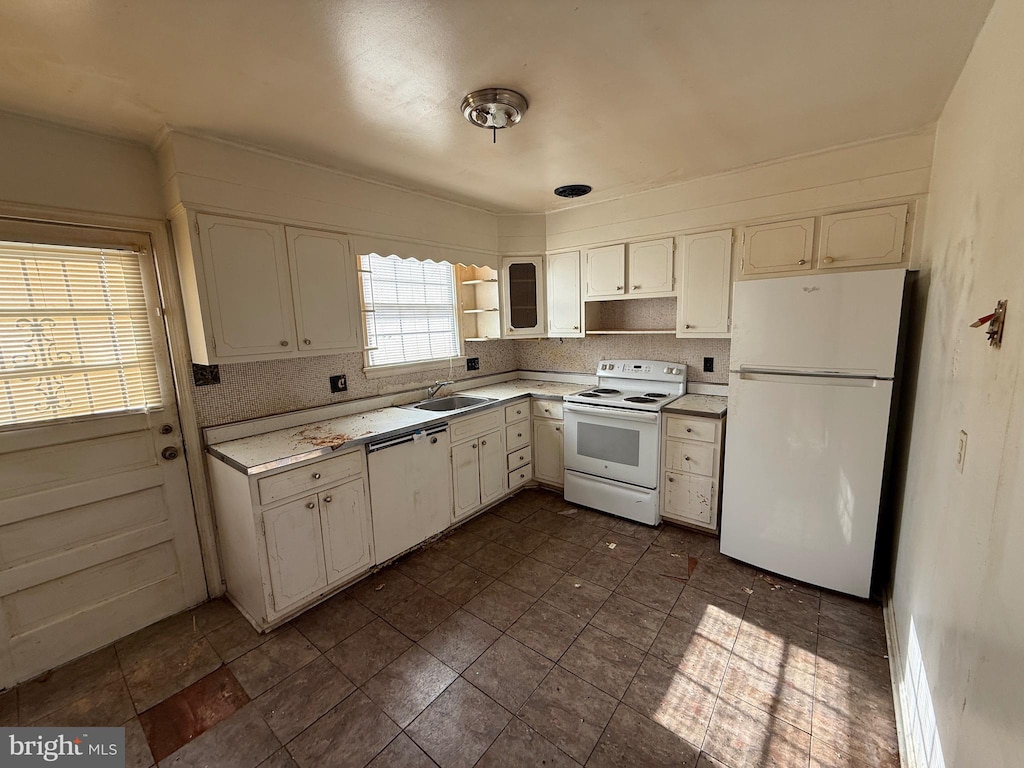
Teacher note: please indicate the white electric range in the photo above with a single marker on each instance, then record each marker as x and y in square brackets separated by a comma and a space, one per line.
[613, 437]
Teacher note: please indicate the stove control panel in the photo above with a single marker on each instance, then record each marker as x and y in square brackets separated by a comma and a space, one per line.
[651, 370]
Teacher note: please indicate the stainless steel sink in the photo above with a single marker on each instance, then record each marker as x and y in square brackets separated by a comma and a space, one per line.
[451, 403]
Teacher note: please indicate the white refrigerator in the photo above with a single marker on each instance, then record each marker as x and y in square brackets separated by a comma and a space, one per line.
[812, 367]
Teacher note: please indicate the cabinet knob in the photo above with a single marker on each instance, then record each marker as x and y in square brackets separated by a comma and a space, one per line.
[689, 429]
[484, 442]
[635, 288]
[307, 342]
[328, 499]
[829, 259]
[473, 445]
[519, 412]
[284, 343]
[802, 262]
[433, 441]
[687, 326]
[575, 327]
[619, 287]
[558, 429]
[519, 434]
[686, 458]
[316, 475]
[671, 479]
[311, 505]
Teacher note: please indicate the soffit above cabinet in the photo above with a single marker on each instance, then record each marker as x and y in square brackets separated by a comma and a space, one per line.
[373, 88]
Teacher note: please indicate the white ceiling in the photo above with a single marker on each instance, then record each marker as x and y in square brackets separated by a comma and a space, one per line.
[623, 95]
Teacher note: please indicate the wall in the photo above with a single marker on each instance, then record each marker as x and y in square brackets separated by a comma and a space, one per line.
[52, 166]
[959, 573]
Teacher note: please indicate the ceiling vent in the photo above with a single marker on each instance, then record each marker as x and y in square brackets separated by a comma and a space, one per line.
[573, 190]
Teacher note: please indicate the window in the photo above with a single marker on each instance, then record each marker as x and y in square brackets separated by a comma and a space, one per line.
[75, 337]
[411, 307]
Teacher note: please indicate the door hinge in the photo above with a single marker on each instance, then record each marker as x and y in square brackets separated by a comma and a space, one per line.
[196, 223]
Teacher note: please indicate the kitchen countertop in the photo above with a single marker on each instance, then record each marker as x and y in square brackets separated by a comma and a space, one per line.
[708, 406]
[283, 447]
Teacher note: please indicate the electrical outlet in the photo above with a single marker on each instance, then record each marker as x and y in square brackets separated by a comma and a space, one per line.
[472, 363]
[339, 383]
[709, 365]
[961, 451]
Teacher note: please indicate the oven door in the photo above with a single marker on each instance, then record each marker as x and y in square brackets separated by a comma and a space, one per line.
[613, 443]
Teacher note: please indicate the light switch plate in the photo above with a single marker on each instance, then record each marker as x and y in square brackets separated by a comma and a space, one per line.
[961, 451]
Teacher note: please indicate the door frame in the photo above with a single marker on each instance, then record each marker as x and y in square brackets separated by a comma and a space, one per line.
[169, 286]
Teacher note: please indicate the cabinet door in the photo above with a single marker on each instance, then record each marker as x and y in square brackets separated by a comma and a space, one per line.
[324, 290]
[565, 304]
[492, 467]
[690, 498]
[705, 264]
[606, 271]
[295, 551]
[466, 477]
[548, 451]
[649, 268]
[523, 294]
[779, 247]
[245, 264]
[345, 520]
[862, 238]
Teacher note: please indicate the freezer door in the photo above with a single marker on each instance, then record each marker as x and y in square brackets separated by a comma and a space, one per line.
[803, 475]
[841, 322]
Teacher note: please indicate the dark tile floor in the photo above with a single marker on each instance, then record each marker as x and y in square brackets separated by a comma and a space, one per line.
[537, 634]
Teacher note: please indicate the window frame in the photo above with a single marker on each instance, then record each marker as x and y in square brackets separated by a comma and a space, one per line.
[433, 364]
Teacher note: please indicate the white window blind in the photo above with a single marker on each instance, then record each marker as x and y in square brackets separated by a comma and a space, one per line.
[413, 310]
[75, 337]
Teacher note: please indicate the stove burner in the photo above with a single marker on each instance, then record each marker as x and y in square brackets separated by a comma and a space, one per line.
[606, 392]
[589, 394]
[655, 395]
[640, 399]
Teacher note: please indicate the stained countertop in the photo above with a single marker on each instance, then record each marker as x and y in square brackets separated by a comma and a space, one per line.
[708, 406]
[294, 445]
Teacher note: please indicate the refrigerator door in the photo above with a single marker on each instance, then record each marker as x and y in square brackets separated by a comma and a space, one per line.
[803, 476]
[846, 323]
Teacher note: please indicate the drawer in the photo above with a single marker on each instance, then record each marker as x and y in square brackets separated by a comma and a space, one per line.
[547, 409]
[685, 456]
[517, 436]
[688, 428]
[521, 476]
[311, 476]
[516, 459]
[474, 426]
[517, 411]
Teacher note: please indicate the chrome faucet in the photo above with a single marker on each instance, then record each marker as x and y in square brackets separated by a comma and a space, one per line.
[434, 388]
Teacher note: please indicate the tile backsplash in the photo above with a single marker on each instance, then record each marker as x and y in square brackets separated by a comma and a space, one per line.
[265, 388]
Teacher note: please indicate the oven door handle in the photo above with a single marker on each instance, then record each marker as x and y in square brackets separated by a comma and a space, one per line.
[613, 413]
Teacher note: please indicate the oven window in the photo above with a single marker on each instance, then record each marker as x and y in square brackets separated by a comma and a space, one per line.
[615, 445]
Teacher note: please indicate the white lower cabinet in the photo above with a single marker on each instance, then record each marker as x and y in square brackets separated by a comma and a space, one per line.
[689, 498]
[478, 472]
[295, 551]
[548, 451]
[345, 523]
[691, 469]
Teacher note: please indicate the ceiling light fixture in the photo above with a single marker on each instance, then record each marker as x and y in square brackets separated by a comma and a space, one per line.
[573, 190]
[494, 108]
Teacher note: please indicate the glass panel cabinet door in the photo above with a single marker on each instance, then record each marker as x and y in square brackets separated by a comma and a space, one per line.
[523, 286]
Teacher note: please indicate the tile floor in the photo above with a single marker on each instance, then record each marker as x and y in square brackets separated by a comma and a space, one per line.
[537, 634]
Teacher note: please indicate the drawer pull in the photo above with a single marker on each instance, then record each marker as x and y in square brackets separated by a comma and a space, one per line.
[284, 343]
[671, 479]
[307, 342]
[802, 262]
[618, 287]
[519, 434]
[558, 429]
[433, 441]
[316, 475]
[829, 259]
[311, 505]
[635, 288]
[686, 458]
[328, 499]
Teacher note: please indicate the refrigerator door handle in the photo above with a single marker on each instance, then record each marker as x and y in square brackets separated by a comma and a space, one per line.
[817, 379]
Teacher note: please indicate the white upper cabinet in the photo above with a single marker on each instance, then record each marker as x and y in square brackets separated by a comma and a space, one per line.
[565, 303]
[606, 272]
[779, 247]
[248, 290]
[326, 298]
[649, 268]
[862, 238]
[522, 281]
[705, 267]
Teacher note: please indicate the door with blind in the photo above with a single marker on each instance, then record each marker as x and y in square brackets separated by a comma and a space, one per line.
[97, 528]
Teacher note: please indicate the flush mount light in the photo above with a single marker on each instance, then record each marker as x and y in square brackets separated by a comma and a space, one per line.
[494, 108]
[573, 190]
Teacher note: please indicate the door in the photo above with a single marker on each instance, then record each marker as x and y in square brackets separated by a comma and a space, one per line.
[466, 478]
[523, 289]
[862, 238]
[547, 451]
[248, 288]
[97, 529]
[689, 497]
[779, 247]
[565, 304]
[345, 522]
[803, 476]
[295, 551]
[606, 271]
[492, 467]
[327, 311]
[613, 443]
[704, 294]
[650, 268]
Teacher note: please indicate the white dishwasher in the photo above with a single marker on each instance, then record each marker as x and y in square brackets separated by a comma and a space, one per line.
[410, 488]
